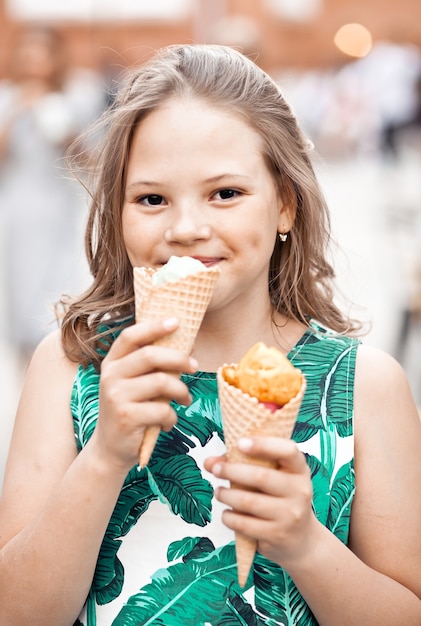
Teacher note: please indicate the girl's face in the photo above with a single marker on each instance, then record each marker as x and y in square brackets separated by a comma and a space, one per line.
[197, 185]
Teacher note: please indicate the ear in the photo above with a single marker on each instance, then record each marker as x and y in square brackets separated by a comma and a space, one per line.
[287, 208]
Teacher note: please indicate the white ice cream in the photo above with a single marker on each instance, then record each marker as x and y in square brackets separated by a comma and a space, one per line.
[176, 268]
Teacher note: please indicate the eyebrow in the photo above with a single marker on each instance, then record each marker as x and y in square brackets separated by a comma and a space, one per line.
[141, 183]
[221, 177]
[132, 187]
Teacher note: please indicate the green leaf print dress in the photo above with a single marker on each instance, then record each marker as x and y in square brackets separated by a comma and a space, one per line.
[166, 558]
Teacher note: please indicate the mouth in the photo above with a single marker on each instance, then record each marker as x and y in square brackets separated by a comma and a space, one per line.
[207, 261]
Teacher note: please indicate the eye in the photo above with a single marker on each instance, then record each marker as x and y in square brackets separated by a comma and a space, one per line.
[226, 194]
[151, 200]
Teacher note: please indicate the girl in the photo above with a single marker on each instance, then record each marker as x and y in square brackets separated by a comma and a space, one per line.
[202, 157]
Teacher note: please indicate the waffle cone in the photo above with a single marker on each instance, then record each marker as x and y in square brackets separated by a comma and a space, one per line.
[245, 416]
[187, 299]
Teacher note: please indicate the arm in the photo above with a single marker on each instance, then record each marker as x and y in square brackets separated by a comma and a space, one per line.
[56, 503]
[377, 581]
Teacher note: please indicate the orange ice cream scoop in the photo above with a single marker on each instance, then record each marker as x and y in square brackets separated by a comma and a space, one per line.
[266, 374]
[261, 395]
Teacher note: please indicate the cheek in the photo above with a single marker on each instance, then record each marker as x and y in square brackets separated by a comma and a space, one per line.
[261, 237]
[141, 235]
[131, 233]
[255, 240]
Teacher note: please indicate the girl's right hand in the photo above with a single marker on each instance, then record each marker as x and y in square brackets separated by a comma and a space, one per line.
[138, 381]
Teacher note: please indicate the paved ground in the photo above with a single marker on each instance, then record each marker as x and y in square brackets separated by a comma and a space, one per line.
[376, 213]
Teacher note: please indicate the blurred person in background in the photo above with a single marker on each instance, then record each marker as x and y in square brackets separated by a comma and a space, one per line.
[43, 104]
[388, 76]
[361, 106]
[394, 131]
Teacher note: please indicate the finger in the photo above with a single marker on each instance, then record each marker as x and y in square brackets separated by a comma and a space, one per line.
[211, 461]
[147, 359]
[256, 478]
[154, 414]
[248, 502]
[247, 485]
[147, 388]
[284, 452]
[138, 335]
[253, 527]
[159, 386]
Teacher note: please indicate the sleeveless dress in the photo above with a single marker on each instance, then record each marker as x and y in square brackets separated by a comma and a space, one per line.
[166, 558]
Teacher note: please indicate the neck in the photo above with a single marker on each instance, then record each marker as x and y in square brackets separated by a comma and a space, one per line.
[218, 343]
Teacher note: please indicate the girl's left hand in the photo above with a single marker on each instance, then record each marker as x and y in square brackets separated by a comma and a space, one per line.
[275, 505]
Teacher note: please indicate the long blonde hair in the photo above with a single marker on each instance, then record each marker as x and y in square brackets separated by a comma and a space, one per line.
[300, 277]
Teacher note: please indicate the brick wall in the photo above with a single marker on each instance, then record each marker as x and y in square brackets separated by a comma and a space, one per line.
[279, 44]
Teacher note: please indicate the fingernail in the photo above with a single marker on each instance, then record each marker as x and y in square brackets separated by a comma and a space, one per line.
[194, 364]
[170, 323]
[244, 443]
[189, 401]
[217, 468]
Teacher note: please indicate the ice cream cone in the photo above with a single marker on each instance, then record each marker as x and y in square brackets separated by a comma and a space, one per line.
[187, 299]
[243, 416]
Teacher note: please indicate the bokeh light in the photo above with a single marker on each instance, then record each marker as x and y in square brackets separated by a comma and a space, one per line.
[355, 40]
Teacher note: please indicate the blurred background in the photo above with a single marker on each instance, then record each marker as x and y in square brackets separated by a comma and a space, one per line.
[351, 70]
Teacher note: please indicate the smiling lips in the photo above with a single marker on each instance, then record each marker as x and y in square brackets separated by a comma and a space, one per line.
[207, 261]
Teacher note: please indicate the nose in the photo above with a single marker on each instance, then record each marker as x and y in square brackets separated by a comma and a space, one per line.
[187, 225]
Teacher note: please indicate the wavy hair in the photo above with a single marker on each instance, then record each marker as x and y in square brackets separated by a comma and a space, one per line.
[300, 280]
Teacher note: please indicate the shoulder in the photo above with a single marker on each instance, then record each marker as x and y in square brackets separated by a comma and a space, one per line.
[48, 385]
[44, 405]
[379, 376]
[384, 401]
[49, 354]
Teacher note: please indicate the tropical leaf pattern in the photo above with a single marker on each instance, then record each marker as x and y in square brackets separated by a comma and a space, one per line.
[196, 583]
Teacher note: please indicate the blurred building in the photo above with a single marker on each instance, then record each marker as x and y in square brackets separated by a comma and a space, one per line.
[282, 33]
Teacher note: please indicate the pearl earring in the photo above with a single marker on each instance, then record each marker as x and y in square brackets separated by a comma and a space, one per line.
[283, 237]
